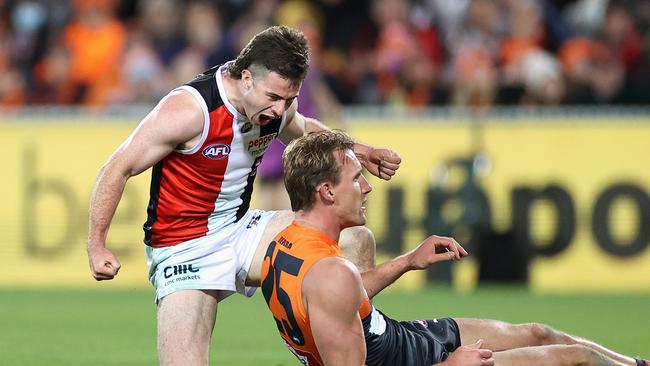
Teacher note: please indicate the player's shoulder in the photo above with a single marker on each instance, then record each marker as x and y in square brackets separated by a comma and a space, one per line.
[333, 272]
[337, 264]
[181, 97]
[332, 283]
[176, 119]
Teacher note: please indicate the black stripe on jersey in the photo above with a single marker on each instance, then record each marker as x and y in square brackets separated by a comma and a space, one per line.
[269, 128]
[248, 191]
[206, 84]
[152, 208]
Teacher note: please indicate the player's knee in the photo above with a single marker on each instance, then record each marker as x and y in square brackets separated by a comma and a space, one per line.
[359, 237]
[545, 335]
[541, 334]
[283, 218]
[365, 237]
[358, 244]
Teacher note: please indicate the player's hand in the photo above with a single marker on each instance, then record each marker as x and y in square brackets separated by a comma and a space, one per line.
[435, 249]
[103, 264]
[470, 355]
[381, 162]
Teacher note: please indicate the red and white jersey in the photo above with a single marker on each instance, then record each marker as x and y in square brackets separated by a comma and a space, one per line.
[201, 190]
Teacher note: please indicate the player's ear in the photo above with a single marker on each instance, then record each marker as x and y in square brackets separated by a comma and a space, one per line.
[247, 78]
[326, 192]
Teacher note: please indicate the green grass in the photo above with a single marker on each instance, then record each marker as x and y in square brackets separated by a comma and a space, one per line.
[92, 327]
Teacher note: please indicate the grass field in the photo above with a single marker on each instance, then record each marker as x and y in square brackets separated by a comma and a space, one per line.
[69, 327]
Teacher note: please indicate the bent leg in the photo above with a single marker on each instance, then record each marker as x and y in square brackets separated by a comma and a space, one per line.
[358, 245]
[554, 355]
[185, 323]
[501, 336]
[278, 222]
[497, 335]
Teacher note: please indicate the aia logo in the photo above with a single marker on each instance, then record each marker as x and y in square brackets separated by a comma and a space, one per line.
[217, 151]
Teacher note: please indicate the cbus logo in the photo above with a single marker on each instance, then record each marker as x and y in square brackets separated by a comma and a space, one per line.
[217, 151]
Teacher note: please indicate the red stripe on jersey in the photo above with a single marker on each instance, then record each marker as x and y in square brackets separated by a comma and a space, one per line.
[190, 185]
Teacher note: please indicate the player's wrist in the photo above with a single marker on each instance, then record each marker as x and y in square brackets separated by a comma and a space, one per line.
[362, 151]
[95, 244]
[407, 262]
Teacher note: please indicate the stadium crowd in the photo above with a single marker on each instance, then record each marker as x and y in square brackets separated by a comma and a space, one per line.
[410, 53]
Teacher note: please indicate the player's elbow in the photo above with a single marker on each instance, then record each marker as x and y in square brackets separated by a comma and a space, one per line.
[350, 352]
[342, 345]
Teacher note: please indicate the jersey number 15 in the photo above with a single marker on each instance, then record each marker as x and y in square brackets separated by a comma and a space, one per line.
[290, 265]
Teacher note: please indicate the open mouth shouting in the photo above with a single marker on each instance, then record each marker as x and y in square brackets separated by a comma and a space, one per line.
[265, 119]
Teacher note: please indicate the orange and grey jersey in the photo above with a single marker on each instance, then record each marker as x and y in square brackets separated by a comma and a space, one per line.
[288, 258]
[198, 191]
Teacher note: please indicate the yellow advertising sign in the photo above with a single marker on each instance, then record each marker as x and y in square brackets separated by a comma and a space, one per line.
[49, 173]
[599, 168]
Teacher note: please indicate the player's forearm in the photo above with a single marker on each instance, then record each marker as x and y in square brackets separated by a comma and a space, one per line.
[304, 125]
[103, 203]
[310, 125]
[300, 126]
[361, 151]
[380, 277]
[313, 125]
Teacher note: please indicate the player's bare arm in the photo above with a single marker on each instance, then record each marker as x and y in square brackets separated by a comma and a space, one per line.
[432, 250]
[176, 122]
[380, 162]
[332, 293]
[298, 125]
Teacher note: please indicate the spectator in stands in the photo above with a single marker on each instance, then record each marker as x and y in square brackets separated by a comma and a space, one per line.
[406, 56]
[411, 53]
[53, 83]
[204, 33]
[607, 67]
[143, 76]
[475, 53]
[96, 41]
[530, 75]
[160, 22]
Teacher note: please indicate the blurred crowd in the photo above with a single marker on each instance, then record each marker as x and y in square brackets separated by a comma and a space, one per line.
[399, 52]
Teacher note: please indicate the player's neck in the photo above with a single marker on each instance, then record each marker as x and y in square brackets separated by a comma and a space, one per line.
[319, 221]
[231, 87]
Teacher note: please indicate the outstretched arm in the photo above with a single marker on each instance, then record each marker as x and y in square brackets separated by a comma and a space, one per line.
[176, 119]
[380, 162]
[432, 250]
[332, 294]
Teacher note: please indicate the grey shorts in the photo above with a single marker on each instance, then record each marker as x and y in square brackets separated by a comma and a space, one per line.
[411, 343]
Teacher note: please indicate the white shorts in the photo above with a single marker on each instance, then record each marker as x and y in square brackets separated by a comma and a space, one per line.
[218, 261]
